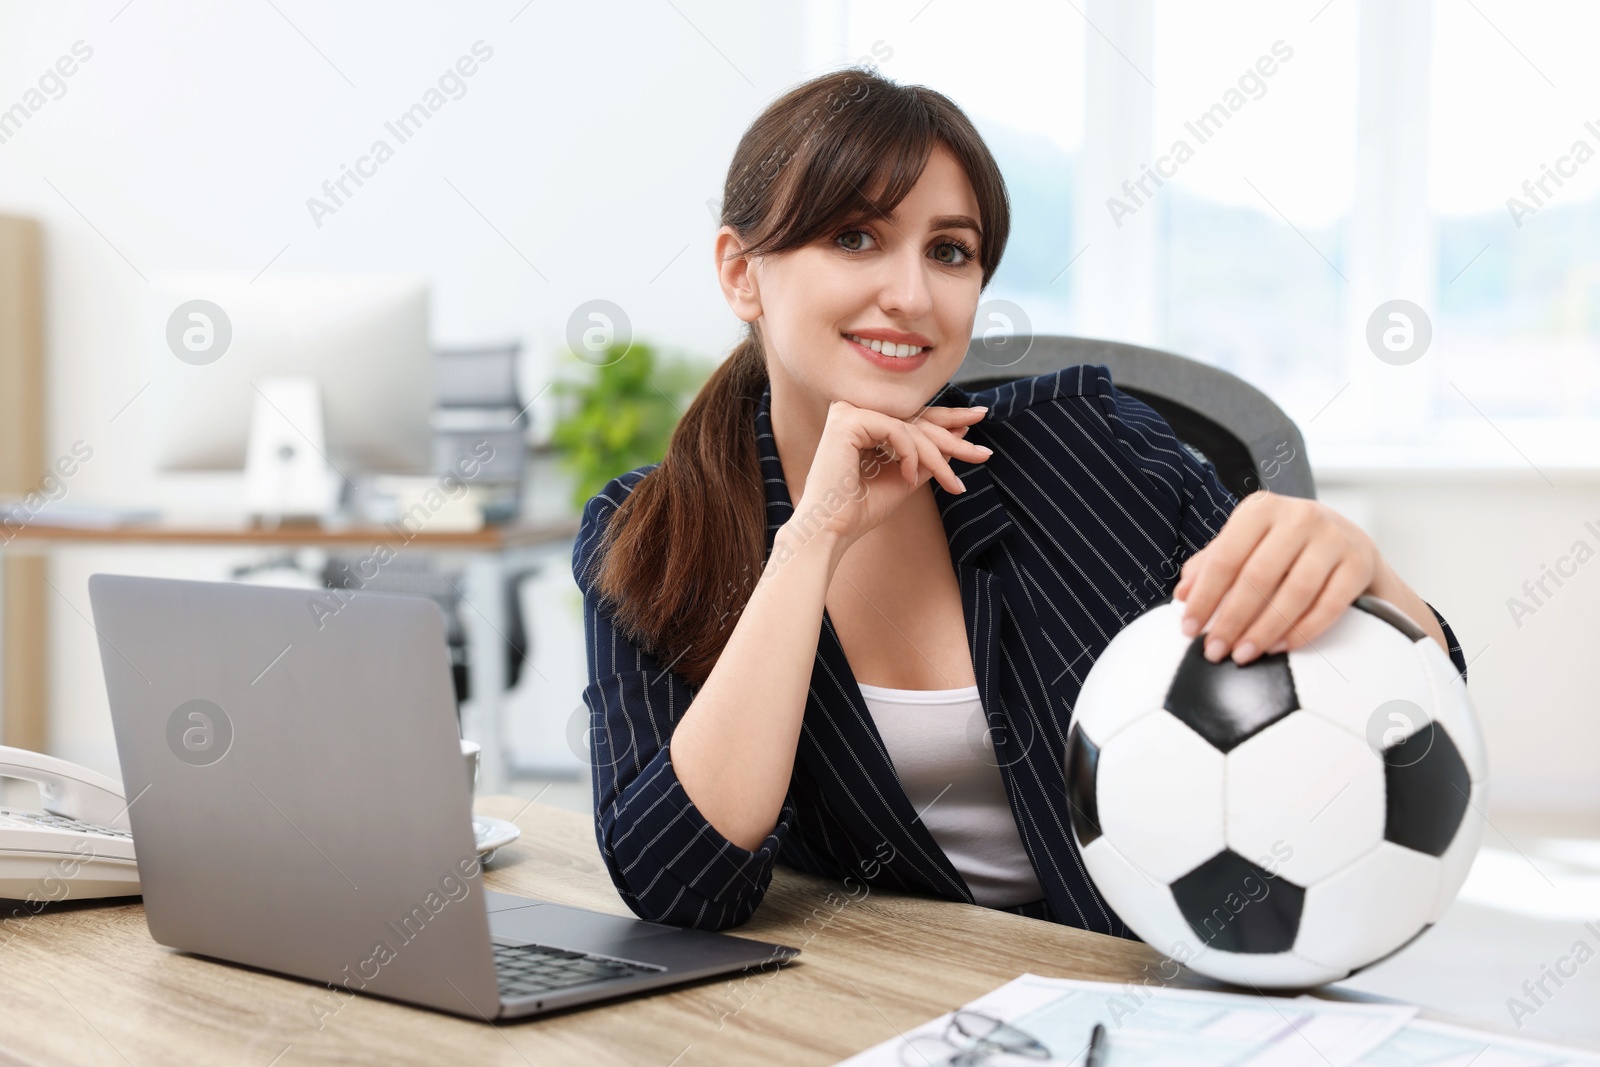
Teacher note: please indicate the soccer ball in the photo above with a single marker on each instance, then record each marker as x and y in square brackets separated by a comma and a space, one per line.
[1285, 823]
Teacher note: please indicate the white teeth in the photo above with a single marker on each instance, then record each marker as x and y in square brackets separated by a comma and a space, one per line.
[887, 348]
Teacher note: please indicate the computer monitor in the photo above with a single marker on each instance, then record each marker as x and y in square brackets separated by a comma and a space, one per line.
[361, 338]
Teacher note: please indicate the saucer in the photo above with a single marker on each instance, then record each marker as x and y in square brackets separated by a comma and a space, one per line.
[492, 833]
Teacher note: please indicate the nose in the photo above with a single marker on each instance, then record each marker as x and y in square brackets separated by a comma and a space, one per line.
[904, 291]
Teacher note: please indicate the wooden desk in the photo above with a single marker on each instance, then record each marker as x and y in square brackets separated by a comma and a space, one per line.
[85, 984]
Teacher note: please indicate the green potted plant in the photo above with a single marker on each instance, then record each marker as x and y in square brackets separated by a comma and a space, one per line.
[627, 402]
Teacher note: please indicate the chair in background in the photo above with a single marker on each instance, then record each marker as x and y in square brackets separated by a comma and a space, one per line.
[1218, 416]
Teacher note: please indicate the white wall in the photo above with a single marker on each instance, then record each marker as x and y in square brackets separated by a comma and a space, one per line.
[194, 133]
[592, 141]
[1466, 542]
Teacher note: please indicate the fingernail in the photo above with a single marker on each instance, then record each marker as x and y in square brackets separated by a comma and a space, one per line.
[1191, 626]
[979, 407]
[1215, 648]
[1245, 650]
[962, 484]
[986, 450]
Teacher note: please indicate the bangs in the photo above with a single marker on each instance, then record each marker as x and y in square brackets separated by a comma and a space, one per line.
[851, 166]
[848, 148]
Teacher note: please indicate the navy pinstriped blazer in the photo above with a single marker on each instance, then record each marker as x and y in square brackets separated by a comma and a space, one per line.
[1077, 523]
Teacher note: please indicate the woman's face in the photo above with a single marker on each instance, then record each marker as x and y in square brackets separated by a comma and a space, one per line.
[913, 277]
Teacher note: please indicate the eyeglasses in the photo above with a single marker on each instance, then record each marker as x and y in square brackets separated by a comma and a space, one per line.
[972, 1039]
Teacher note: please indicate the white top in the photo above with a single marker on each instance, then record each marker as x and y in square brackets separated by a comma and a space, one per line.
[936, 740]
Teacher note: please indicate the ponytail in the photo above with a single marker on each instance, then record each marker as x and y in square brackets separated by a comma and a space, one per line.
[681, 555]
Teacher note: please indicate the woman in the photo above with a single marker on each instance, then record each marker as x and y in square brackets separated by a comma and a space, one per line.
[842, 625]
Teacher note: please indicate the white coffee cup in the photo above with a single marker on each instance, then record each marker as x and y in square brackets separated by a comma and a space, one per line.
[471, 752]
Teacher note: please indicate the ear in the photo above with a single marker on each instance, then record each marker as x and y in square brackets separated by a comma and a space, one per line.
[736, 275]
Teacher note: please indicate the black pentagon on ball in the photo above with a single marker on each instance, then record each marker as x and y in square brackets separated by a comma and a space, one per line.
[1228, 704]
[1235, 906]
[1427, 794]
[1083, 765]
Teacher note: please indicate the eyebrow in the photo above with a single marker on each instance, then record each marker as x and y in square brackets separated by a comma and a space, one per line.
[939, 222]
[957, 222]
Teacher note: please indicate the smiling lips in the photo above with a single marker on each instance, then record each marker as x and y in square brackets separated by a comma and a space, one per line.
[888, 348]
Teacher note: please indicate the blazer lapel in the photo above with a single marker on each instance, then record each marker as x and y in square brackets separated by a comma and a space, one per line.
[840, 742]
[1026, 727]
[974, 521]
[850, 782]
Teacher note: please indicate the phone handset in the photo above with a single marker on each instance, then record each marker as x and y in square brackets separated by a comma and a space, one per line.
[67, 789]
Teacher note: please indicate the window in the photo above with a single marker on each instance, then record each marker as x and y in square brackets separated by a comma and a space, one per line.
[1514, 190]
[1251, 253]
[1025, 94]
[1339, 155]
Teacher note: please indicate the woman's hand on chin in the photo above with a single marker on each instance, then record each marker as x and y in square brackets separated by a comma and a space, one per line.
[867, 464]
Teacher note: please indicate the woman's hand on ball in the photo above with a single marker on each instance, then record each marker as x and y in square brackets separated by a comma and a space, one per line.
[1278, 574]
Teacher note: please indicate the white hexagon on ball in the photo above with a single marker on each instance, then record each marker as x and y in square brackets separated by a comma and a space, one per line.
[1457, 859]
[1307, 784]
[1160, 796]
[1359, 664]
[1452, 708]
[1129, 680]
[1369, 908]
[1270, 970]
[1145, 904]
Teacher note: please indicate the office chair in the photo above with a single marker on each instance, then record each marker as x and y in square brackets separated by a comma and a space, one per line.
[1218, 416]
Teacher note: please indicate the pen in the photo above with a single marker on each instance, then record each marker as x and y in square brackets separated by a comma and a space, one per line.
[1097, 1046]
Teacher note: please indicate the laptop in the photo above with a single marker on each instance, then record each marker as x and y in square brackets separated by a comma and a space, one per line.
[299, 804]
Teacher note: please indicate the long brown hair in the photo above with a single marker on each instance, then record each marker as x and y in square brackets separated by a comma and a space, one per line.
[682, 553]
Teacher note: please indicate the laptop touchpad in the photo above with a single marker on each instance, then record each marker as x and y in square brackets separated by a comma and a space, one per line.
[497, 901]
[570, 928]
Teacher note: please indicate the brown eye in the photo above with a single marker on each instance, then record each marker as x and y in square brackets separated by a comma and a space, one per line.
[847, 234]
[967, 254]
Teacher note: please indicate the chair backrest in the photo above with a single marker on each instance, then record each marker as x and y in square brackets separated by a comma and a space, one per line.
[1221, 418]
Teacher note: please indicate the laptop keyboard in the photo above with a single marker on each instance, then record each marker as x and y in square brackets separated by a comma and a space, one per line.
[524, 969]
